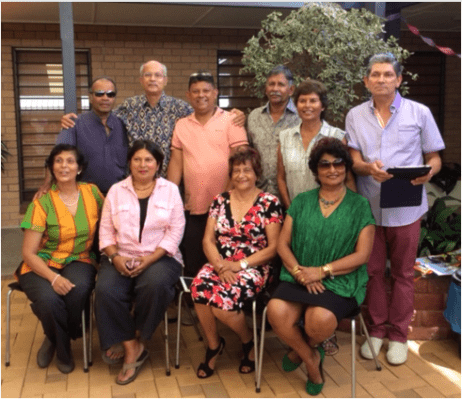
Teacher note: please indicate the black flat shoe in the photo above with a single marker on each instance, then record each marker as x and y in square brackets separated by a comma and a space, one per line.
[45, 353]
[246, 361]
[208, 356]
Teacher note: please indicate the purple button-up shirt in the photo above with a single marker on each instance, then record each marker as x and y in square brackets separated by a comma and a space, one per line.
[410, 132]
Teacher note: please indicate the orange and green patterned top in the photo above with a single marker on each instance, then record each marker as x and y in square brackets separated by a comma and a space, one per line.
[66, 237]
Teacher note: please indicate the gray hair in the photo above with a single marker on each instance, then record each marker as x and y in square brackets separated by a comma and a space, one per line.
[388, 58]
[282, 69]
[164, 68]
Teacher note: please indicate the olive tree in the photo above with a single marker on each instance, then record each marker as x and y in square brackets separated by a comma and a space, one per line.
[324, 42]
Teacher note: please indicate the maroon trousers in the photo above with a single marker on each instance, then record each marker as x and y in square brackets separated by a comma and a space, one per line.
[396, 312]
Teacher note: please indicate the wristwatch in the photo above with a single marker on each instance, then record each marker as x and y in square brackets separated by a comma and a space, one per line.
[244, 264]
[112, 256]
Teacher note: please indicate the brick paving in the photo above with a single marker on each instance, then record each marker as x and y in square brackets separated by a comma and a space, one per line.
[432, 370]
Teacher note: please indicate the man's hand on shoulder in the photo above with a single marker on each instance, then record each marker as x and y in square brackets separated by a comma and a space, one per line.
[378, 173]
[42, 190]
[239, 117]
[67, 120]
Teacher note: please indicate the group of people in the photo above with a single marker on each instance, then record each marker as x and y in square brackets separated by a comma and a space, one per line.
[285, 187]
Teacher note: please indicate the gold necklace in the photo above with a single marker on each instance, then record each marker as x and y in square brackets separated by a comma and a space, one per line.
[69, 204]
[150, 186]
[326, 203]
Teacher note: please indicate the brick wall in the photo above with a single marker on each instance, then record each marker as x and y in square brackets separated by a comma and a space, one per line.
[117, 51]
[452, 133]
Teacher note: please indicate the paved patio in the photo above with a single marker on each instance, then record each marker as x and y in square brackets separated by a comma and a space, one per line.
[433, 368]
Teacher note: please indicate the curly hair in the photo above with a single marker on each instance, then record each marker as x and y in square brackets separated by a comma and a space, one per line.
[243, 154]
[312, 86]
[332, 146]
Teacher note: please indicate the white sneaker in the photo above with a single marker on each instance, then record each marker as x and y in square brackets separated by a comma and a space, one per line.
[397, 352]
[366, 350]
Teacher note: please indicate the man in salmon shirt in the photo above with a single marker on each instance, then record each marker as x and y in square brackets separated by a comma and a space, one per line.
[201, 146]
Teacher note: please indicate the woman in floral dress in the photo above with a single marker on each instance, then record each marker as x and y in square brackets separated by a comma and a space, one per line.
[240, 241]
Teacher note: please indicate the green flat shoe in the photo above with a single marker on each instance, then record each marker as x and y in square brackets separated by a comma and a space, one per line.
[288, 365]
[315, 388]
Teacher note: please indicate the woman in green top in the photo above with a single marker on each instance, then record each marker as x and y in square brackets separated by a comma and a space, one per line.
[324, 244]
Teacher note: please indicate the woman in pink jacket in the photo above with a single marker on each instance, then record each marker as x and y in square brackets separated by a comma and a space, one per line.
[142, 225]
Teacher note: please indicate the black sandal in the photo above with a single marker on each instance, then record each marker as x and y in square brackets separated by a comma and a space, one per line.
[246, 362]
[208, 356]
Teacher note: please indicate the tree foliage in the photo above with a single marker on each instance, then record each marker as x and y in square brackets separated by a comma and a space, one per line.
[324, 42]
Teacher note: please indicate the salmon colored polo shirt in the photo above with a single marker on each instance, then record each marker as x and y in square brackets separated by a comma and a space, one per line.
[206, 149]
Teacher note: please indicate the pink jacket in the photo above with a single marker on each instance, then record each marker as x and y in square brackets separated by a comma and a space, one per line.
[164, 225]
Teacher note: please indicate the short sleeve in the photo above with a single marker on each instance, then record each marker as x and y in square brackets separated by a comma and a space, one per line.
[176, 142]
[364, 213]
[272, 210]
[97, 195]
[35, 217]
[236, 134]
[350, 132]
[431, 136]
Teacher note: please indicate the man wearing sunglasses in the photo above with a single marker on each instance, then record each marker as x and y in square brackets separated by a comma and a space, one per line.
[100, 136]
[385, 132]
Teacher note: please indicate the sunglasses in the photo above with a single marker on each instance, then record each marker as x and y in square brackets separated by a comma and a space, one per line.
[339, 163]
[100, 93]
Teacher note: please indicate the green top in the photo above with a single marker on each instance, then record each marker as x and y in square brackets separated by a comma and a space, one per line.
[317, 240]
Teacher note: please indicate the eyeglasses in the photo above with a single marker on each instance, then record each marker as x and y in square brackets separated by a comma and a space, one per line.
[339, 163]
[100, 93]
[157, 75]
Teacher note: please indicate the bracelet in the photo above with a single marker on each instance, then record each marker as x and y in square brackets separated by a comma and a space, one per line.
[296, 270]
[54, 280]
[320, 273]
[244, 263]
[328, 271]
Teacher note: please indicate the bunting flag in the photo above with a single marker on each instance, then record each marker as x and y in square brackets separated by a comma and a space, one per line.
[446, 50]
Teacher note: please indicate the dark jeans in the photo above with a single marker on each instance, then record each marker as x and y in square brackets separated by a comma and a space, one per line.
[61, 316]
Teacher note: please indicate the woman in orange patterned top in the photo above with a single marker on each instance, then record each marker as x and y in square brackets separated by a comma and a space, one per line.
[58, 272]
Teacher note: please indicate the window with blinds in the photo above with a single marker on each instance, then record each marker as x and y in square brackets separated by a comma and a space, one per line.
[231, 93]
[39, 100]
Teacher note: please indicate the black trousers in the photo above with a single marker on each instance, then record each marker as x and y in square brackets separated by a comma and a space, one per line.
[191, 245]
[61, 316]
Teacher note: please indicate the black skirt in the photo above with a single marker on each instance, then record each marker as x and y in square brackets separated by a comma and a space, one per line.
[341, 307]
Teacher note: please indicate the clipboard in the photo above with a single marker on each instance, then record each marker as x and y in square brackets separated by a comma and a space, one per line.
[399, 191]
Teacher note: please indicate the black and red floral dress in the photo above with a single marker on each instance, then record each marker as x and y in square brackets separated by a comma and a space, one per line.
[235, 241]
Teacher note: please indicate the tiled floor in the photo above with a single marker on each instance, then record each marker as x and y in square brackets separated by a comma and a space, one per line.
[433, 368]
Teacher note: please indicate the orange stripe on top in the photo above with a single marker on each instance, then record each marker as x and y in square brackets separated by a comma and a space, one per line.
[66, 227]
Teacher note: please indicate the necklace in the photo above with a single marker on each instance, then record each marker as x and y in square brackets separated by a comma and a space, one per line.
[70, 204]
[150, 186]
[327, 203]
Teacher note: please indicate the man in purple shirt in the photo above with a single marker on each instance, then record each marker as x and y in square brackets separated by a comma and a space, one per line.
[100, 136]
[388, 131]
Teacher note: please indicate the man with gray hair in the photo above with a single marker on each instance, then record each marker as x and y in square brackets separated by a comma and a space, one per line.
[384, 132]
[265, 123]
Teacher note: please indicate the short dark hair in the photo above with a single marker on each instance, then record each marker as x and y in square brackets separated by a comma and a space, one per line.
[282, 69]
[312, 86]
[387, 58]
[243, 154]
[58, 149]
[153, 148]
[201, 76]
[103, 78]
[332, 146]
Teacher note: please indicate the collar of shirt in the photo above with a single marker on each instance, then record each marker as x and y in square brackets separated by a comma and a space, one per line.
[393, 107]
[217, 114]
[289, 107]
[110, 118]
[161, 104]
